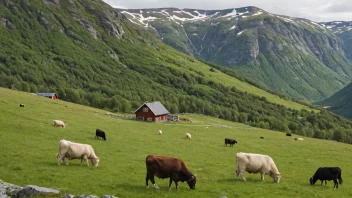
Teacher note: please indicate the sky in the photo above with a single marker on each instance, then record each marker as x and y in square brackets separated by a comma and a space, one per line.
[315, 10]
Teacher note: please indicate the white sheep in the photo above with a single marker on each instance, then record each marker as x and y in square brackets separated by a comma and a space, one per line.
[59, 123]
[160, 132]
[188, 136]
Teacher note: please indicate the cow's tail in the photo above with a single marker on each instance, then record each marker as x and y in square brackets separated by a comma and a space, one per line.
[237, 168]
[339, 176]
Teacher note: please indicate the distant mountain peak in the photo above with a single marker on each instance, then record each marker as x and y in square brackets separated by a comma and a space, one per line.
[288, 54]
[338, 26]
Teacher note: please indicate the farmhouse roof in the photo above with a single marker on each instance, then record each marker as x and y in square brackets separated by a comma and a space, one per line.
[46, 94]
[156, 107]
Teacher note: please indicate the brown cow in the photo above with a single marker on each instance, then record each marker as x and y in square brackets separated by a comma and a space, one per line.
[165, 167]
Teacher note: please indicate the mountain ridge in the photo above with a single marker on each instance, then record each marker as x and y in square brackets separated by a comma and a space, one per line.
[312, 62]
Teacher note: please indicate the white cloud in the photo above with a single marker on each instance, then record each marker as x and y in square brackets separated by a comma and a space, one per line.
[316, 10]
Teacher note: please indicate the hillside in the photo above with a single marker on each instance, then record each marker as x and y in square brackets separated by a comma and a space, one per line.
[90, 54]
[33, 143]
[340, 102]
[293, 56]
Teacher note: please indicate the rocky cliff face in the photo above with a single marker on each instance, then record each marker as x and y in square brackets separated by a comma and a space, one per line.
[342, 29]
[294, 56]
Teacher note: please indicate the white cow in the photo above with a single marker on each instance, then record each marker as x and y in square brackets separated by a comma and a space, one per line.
[255, 163]
[188, 136]
[160, 132]
[72, 150]
[299, 139]
[59, 123]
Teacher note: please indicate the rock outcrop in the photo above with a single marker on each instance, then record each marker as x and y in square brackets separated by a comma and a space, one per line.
[8, 190]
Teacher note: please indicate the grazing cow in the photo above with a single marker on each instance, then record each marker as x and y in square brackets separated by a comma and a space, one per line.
[255, 163]
[188, 136]
[160, 132]
[168, 167]
[261, 137]
[299, 139]
[72, 150]
[100, 134]
[327, 173]
[230, 141]
[59, 123]
[288, 134]
[21, 105]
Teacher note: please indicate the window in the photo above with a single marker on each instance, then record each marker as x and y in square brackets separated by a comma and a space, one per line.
[145, 109]
[149, 119]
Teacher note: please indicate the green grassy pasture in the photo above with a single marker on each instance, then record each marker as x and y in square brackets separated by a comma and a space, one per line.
[29, 143]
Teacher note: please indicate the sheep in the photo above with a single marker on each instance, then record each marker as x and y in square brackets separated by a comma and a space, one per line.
[188, 136]
[59, 123]
[160, 132]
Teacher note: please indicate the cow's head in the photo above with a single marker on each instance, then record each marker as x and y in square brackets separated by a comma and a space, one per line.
[95, 162]
[276, 177]
[311, 180]
[192, 182]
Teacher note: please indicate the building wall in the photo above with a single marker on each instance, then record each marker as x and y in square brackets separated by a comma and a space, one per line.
[149, 116]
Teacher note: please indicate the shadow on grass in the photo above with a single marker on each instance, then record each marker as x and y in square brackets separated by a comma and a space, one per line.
[233, 180]
[74, 163]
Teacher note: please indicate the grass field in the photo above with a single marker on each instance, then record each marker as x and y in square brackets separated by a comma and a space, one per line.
[29, 143]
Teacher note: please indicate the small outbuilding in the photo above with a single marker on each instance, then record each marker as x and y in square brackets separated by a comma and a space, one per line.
[152, 112]
[49, 95]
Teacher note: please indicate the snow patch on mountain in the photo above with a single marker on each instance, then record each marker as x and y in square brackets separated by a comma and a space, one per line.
[241, 32]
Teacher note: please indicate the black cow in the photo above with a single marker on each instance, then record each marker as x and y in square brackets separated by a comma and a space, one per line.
[230, 141]
[261, 137]
[327, 173]
[100, 134]
[288, 134]
[165, 167]
[21, 105]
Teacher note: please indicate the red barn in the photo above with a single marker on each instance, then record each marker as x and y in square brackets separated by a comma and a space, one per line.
[152, 111]
[48, 95]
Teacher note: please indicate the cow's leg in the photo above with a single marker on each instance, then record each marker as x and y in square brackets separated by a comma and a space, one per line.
[176, 185]
[65, 160]
[325, 182]
[84, 157]
[146, 180]
[242, 175]
[322, 182]
[262, 176]
[170, 182]
[153, 182]
[336, 183]
[236, 174]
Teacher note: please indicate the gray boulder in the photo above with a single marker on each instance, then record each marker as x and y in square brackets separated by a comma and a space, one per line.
[66, 195]
[86, 196]
[108, 196]
[7, 190]
[31, 190]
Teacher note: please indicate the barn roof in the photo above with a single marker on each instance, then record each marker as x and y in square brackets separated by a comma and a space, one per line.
[156, 107]
[46, 94]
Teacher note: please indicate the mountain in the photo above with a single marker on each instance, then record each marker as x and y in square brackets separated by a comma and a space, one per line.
[340, 102]
[91, 54]
[293, 56]
[342, 29]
